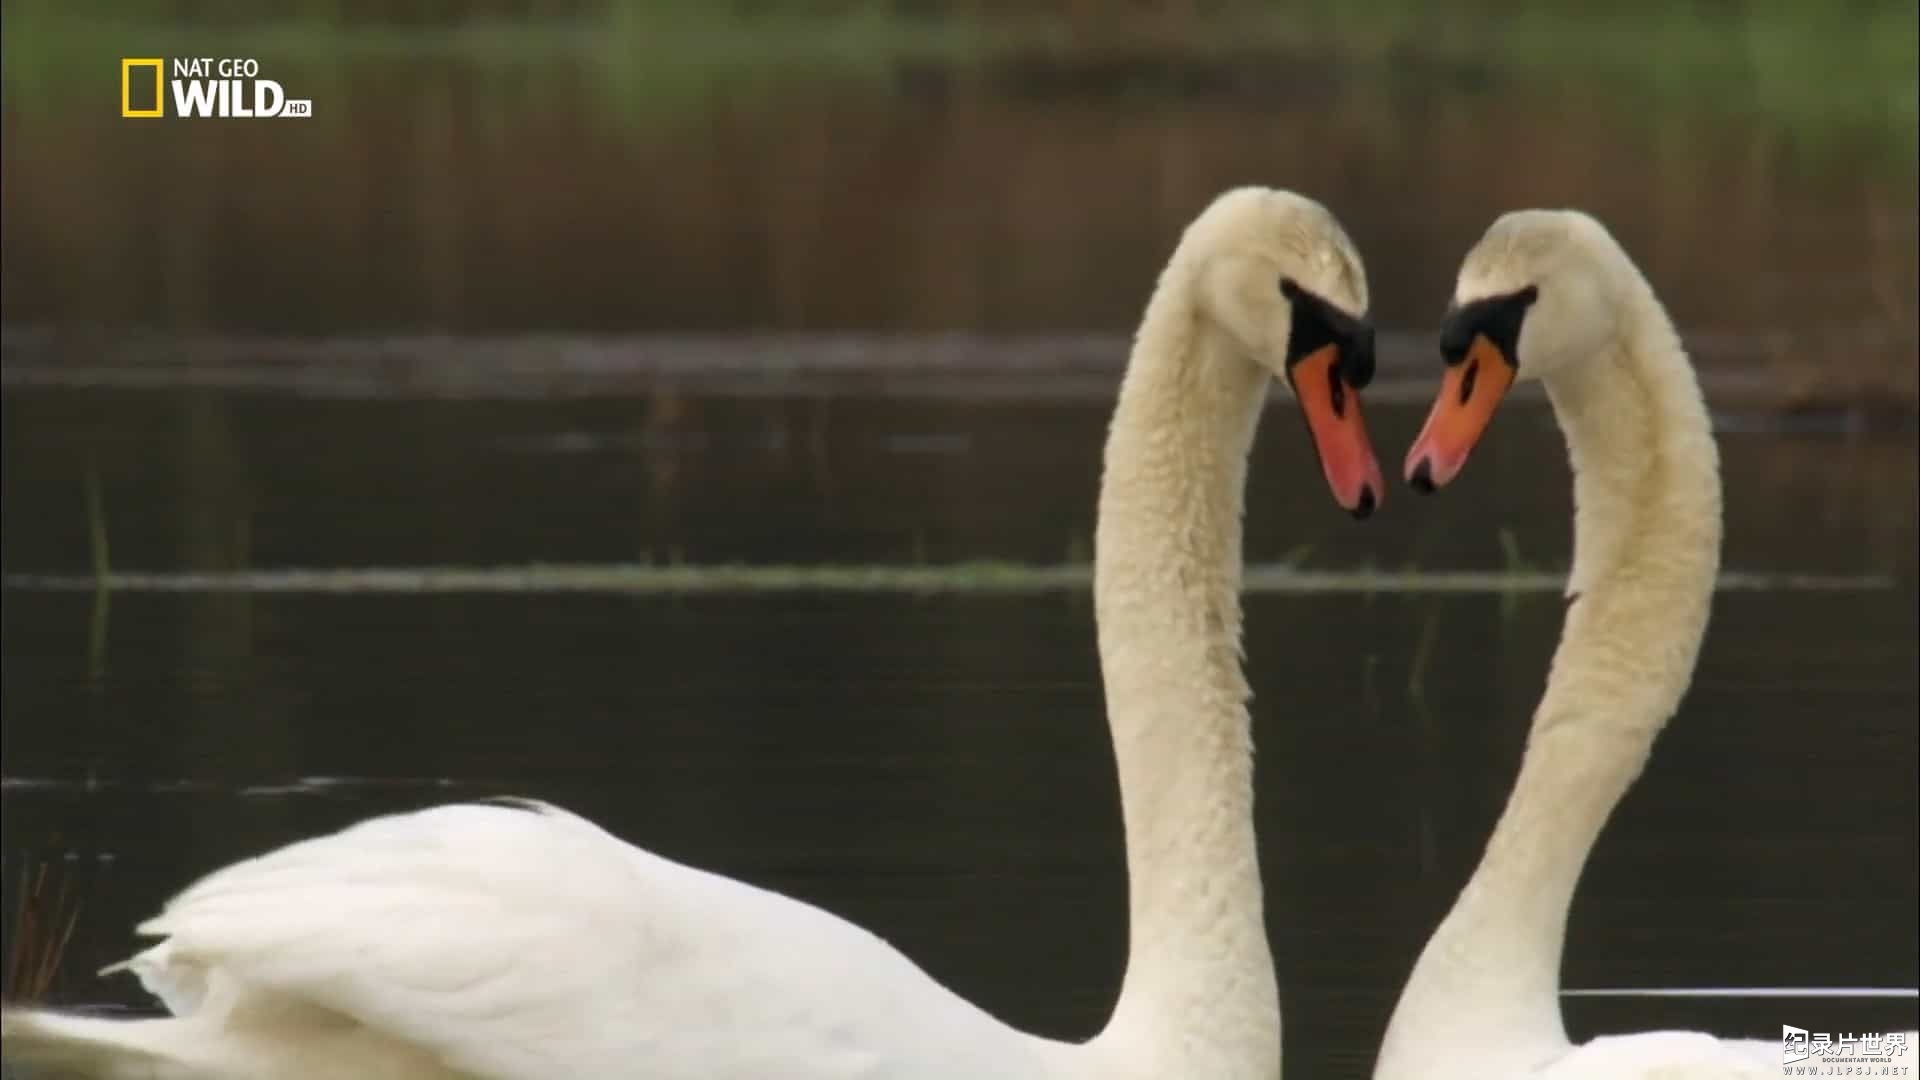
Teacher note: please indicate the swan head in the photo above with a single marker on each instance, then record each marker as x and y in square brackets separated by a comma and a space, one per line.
[1537, 295]
[1276, 273]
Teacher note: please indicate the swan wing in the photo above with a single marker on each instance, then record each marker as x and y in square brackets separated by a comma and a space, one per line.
[511, 941]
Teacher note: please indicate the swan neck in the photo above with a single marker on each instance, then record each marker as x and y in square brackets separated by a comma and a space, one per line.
[1646, 552]
[1647, 530]
[1199, 995]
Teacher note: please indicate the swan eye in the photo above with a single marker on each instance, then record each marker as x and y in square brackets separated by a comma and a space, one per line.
[1289, 288]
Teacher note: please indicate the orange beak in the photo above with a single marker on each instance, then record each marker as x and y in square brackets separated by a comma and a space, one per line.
[1332, 408]
[1469, 393]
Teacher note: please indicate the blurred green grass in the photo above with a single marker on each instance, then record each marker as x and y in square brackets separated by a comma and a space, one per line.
[1825, 78]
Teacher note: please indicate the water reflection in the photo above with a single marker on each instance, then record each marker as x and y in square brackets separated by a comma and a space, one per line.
[274, 481]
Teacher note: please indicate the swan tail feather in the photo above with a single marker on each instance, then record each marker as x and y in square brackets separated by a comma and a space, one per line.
[180, 986]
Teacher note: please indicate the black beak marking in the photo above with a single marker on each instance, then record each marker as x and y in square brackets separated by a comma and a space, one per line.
[1363, 509]
[1317, 323]
[1497, 318]
[1422, 478]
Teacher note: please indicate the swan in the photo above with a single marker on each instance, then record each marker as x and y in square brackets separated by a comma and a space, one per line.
[518, 941]
[1550, 295]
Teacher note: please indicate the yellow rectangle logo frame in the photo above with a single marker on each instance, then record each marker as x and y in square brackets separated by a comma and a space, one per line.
[126, 81]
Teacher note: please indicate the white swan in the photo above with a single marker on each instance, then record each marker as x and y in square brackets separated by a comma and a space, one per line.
[524, 942]
[1550, 295]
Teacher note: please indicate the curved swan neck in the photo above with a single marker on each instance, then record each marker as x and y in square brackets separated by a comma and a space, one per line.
[1199, 994]
[1646, 474]
[1646, 552]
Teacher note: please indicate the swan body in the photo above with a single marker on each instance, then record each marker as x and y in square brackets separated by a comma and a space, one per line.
[1550, 295]
[521, 941]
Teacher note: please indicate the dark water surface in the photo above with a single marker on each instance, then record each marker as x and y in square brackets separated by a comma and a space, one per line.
[936, 767]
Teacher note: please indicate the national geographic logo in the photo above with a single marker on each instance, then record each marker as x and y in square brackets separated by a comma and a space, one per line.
[203, 86]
